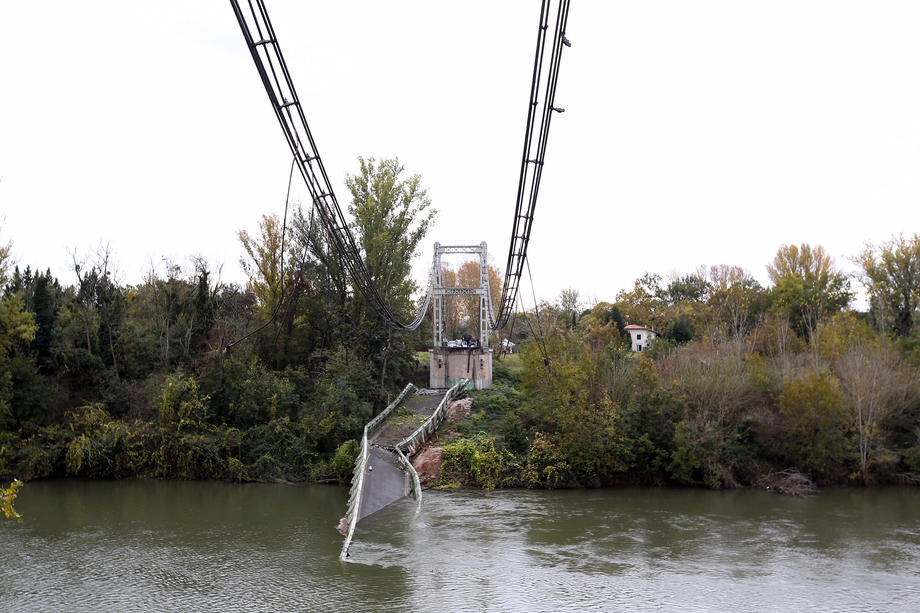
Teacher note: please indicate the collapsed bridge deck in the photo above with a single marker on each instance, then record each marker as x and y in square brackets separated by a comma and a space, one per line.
[383, 473]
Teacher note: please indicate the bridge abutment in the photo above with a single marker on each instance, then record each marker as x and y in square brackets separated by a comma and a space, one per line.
[447, 365]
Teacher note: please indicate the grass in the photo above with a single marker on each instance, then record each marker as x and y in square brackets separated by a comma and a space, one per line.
[513, 363]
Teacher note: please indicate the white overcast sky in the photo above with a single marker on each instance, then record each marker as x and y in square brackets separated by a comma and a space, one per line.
[694, 133]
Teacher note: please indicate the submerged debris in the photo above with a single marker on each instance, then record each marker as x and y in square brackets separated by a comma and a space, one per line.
[790, 482]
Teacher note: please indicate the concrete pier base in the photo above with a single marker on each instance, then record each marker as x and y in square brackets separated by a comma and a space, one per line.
[447, 365]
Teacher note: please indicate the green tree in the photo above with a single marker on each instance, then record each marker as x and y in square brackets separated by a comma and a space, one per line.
[578, 415]
[681, 331]
[16, 323]
[815, 421]
[891, 276]
[46, 300]
[263, 267]
[17, 326]
[646, 303]
[688, 288]
[807, 286]
[391, 216]
[735, 300]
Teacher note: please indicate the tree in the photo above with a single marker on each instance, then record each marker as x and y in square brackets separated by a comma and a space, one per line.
[452, 307]
[815, 422]
[579, 418]
[17, 325]
[681, 331]
[46, 299]
[264, 264]
[391, 215]
[569, 306]
[688, 288]
[800, 261]
[468, 276]
[645, 304]
[318, 302]
[735, 299]
[869, 376]
[807, 287]
[891, 276]
[467, 307]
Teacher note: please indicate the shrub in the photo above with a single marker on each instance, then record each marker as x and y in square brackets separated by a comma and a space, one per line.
[545, 465]
[343, 462]
[812, 411]
[475, 461]
[181, 404]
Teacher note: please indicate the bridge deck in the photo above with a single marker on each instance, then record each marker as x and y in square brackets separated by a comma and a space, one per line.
[416, 409]
[385, 481]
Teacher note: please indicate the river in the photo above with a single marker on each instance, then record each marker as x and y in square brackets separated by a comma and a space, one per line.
[202, 546]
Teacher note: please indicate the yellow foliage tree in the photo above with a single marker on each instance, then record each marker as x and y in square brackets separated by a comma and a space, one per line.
[7, 496]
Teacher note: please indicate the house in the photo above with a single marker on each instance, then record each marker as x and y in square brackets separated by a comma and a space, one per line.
[640, 337]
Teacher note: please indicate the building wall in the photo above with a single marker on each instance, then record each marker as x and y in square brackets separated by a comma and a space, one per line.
[449, 364]
[640, 344]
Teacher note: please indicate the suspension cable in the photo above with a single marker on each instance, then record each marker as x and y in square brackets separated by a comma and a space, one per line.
[266, 52]
[263, 45]
[534, 153]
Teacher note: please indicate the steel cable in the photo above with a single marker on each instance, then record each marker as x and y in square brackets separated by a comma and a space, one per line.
[273, 71]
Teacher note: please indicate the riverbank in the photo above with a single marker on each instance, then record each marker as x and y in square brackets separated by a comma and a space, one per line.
[92, 444]
[518, 434]
[509, 439]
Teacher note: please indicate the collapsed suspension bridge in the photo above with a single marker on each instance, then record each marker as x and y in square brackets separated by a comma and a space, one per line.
[446, 366]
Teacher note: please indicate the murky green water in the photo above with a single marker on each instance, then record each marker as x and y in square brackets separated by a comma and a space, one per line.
[175, 546]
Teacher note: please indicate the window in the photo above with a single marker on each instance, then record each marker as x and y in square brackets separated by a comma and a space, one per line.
[638, 337]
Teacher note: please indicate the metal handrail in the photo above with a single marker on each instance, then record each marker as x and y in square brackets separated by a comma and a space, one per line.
[416, 483]
[411, 442]
[357, 485]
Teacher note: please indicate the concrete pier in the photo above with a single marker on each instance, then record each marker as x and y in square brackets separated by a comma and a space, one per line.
[447, 365]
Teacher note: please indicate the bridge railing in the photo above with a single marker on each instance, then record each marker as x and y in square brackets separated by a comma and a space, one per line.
[416, 484]
[357, 483]
[411, 443]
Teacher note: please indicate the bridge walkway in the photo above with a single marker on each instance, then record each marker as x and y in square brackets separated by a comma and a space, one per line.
[385, 481]
[382, 470]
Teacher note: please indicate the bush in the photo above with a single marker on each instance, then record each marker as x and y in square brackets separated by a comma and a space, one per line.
[181, 404]
[545, 465]
[343, 462]
[812, 410]
[475, 461]
[514, 433]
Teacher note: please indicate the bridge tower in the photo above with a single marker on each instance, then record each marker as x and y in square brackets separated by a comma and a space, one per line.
[449, 362]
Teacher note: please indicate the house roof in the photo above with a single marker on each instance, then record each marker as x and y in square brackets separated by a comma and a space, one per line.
[635, 327]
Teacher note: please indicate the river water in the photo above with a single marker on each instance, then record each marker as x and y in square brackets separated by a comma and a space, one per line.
[190, 546]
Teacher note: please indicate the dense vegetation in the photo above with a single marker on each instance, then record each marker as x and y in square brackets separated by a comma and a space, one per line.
[185, 376]
[105, 380]
[746, 382]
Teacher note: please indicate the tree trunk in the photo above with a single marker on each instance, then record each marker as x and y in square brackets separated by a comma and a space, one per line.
[112, 350]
